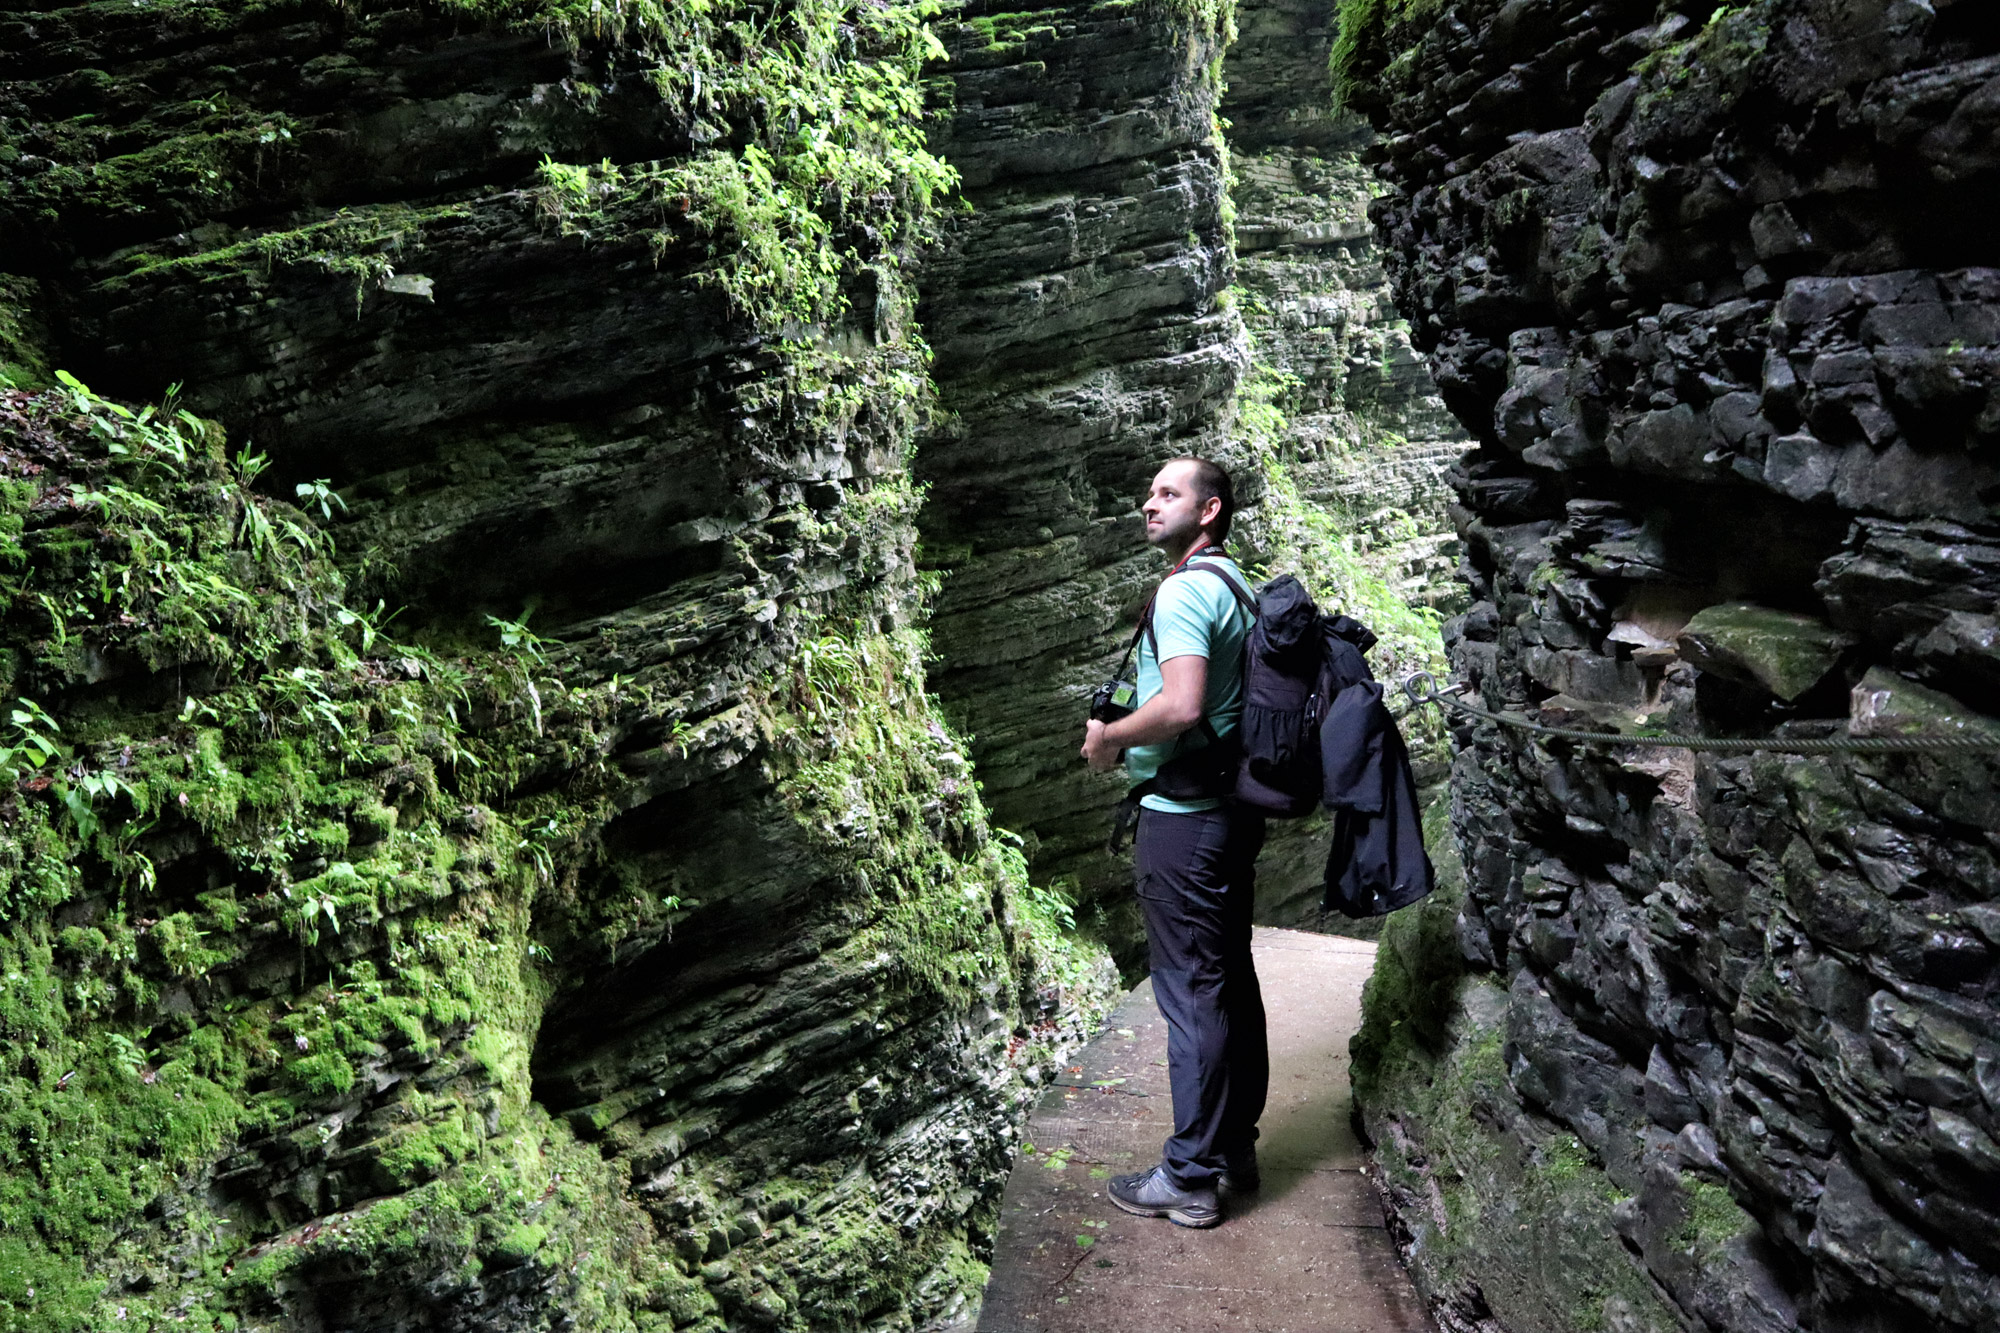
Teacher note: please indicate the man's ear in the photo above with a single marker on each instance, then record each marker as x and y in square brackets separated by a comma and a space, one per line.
[1211, 510]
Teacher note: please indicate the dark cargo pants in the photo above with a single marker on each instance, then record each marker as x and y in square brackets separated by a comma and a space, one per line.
[1196, 878]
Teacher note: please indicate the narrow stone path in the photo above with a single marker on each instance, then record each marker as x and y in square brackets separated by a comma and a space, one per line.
[1307, 1254]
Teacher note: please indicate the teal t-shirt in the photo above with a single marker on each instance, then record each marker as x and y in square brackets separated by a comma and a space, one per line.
[1194, 615]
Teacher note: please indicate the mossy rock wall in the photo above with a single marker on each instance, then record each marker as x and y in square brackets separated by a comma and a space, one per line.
[1080, 337]
[483, 853]
[1112, 300]
[1711, 289]
[614, 935]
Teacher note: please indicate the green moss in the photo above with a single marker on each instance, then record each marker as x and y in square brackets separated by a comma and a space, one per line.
[519, 1244]
[1007, 34]
[831, 96]
[110, 1088]
[179, 941]
[22, 363]
[1713, 1218]
[1370, 33]
[1687, 86]
[1526, 1207]
[361, 244]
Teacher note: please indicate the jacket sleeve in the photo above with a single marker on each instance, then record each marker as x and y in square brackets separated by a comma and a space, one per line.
[1352, 744]
[1377, 862]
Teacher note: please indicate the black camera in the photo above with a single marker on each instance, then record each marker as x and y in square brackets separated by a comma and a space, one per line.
[1112, 700]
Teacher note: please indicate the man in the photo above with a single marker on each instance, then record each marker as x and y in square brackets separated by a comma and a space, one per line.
[1195, 851]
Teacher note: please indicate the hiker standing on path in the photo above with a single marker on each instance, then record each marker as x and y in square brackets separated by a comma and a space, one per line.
[1195, 850]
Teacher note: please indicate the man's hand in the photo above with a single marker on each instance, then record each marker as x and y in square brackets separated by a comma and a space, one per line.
[1161, 718]
[1099, 753]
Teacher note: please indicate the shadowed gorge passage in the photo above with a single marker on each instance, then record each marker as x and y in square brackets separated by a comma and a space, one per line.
[473, 791]
[1308, 1251]
[552, 556]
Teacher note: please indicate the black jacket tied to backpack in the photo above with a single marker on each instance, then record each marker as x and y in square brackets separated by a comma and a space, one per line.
[1315, 731]
[1377, 862]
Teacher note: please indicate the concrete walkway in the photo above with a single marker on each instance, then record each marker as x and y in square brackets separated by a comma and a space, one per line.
[1308, 1254]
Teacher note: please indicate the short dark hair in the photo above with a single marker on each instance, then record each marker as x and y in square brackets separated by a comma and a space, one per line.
[1212, 483]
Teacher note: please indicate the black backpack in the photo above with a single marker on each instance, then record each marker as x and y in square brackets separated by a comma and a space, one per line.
[1295, 661]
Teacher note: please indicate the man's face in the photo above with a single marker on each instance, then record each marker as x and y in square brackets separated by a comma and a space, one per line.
[1175, 510]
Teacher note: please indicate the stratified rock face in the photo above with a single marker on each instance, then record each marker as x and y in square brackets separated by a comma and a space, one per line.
[1318, 304]
[659, 971]
[1708, 286]
[1365, 434]
[616, 938]
[1079, 344]
[1084, 332]
[1337, 403]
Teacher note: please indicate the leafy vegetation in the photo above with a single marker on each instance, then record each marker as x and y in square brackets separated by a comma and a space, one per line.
[1362, 25]
[207, 744]
[283, 886]
[807, 120]
[219, 769]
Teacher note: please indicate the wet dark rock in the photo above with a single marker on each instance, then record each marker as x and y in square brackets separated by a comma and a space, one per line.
[1783, 652]
[1712, 291]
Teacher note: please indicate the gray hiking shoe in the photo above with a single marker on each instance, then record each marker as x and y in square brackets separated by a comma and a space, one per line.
[1239, 1173]
[1152, 1194]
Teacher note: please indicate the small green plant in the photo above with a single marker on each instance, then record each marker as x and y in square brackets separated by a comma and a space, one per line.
[1049, 903]
[527, 648]
[830, 675]
[319, 494]
[538, 845]
[518, 639]
[248, 466]
[314, 910]
[35, 740]
[368, 626]
[81, 796]
[128, 1053]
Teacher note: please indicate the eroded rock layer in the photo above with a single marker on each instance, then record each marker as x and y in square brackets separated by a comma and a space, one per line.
[1079, 342]
[1712, 288]
[616, 938]
[472, 788]
[1091, 319]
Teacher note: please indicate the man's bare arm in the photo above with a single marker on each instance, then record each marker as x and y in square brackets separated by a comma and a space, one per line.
[1183, 689]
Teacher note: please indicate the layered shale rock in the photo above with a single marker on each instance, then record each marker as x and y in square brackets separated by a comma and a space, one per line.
[1080, 342]
[479, 848]
[1086, 329]
[641, 958]
[1338, 410]
[1366, 435]
[1706, 285]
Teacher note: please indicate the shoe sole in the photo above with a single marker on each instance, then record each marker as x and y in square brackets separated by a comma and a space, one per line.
[1196, 1221]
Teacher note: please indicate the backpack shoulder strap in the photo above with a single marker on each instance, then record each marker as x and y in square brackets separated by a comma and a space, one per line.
[1243, 598]
[1236, 590]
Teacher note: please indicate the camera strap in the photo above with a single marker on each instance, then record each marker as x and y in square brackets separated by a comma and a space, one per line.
[1125, 816]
